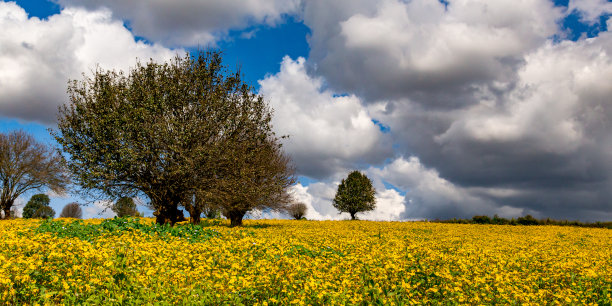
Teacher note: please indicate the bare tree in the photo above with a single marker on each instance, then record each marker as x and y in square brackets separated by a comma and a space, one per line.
[72, 210]
[297, 210]
[27, 165]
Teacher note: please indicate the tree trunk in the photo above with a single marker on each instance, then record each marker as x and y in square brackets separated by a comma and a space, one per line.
[168, 213]
[353, 215]
[6, 208]
[7, 212]
[195, 216]
[236, 218]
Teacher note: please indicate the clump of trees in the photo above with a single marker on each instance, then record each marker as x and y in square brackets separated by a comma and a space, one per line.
[525, 220]
[125, 207]
[186, 134]
[297, 210]
[72, 210]
[38, 207]
[28, 165]
[355, 194]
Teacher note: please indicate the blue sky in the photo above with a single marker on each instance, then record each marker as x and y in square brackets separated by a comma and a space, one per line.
[452, 108]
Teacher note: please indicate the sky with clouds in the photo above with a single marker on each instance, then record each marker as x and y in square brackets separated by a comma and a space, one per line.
[453, 108]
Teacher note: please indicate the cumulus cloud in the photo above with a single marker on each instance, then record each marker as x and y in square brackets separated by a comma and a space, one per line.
[510, 121]
[191, 22]
[428, 196]
[39, 56]
[426, 50]
[98, 210]
[545, 140]
[328, 133]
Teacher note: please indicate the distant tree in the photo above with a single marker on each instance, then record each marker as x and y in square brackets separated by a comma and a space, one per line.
[27, 165]
[297, 210]
[527, 220]
[481, 220]
[355, 194]
[125, 207]
[38, 207]
[165, 131]
[498, 220]
[72, 210]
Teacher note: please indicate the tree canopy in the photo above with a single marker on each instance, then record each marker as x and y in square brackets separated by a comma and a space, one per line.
[171, 131]
[28, 165]
[355, 194]
[38, 207]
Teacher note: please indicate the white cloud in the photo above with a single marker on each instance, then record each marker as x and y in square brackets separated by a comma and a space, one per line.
[561, 103]
[98, 210]
[39, 56]
[412, 48]
[590, 10]
[428, 195]
[192, 22]
[328, 133]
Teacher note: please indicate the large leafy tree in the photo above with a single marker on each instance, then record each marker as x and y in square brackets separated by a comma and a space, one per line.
[27, 165]
[355, 194]
[38, 207]
[166, 131]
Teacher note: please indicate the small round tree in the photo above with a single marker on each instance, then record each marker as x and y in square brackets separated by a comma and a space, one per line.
[297, 210]
[35, 208]
[355, 194]
[125, 207]
[72, 210]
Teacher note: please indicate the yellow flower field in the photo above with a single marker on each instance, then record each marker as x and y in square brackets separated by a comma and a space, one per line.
[306, 262]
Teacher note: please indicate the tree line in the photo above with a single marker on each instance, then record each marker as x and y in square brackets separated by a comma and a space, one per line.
[525, 220]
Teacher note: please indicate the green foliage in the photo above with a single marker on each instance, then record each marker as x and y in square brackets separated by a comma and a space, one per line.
[169, 131]
[118, 226]
[125, 207]
[38, 207]
[481, 220]
[355, 194]
[527, 220]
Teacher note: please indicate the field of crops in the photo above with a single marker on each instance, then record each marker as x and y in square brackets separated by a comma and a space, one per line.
[301, 262]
